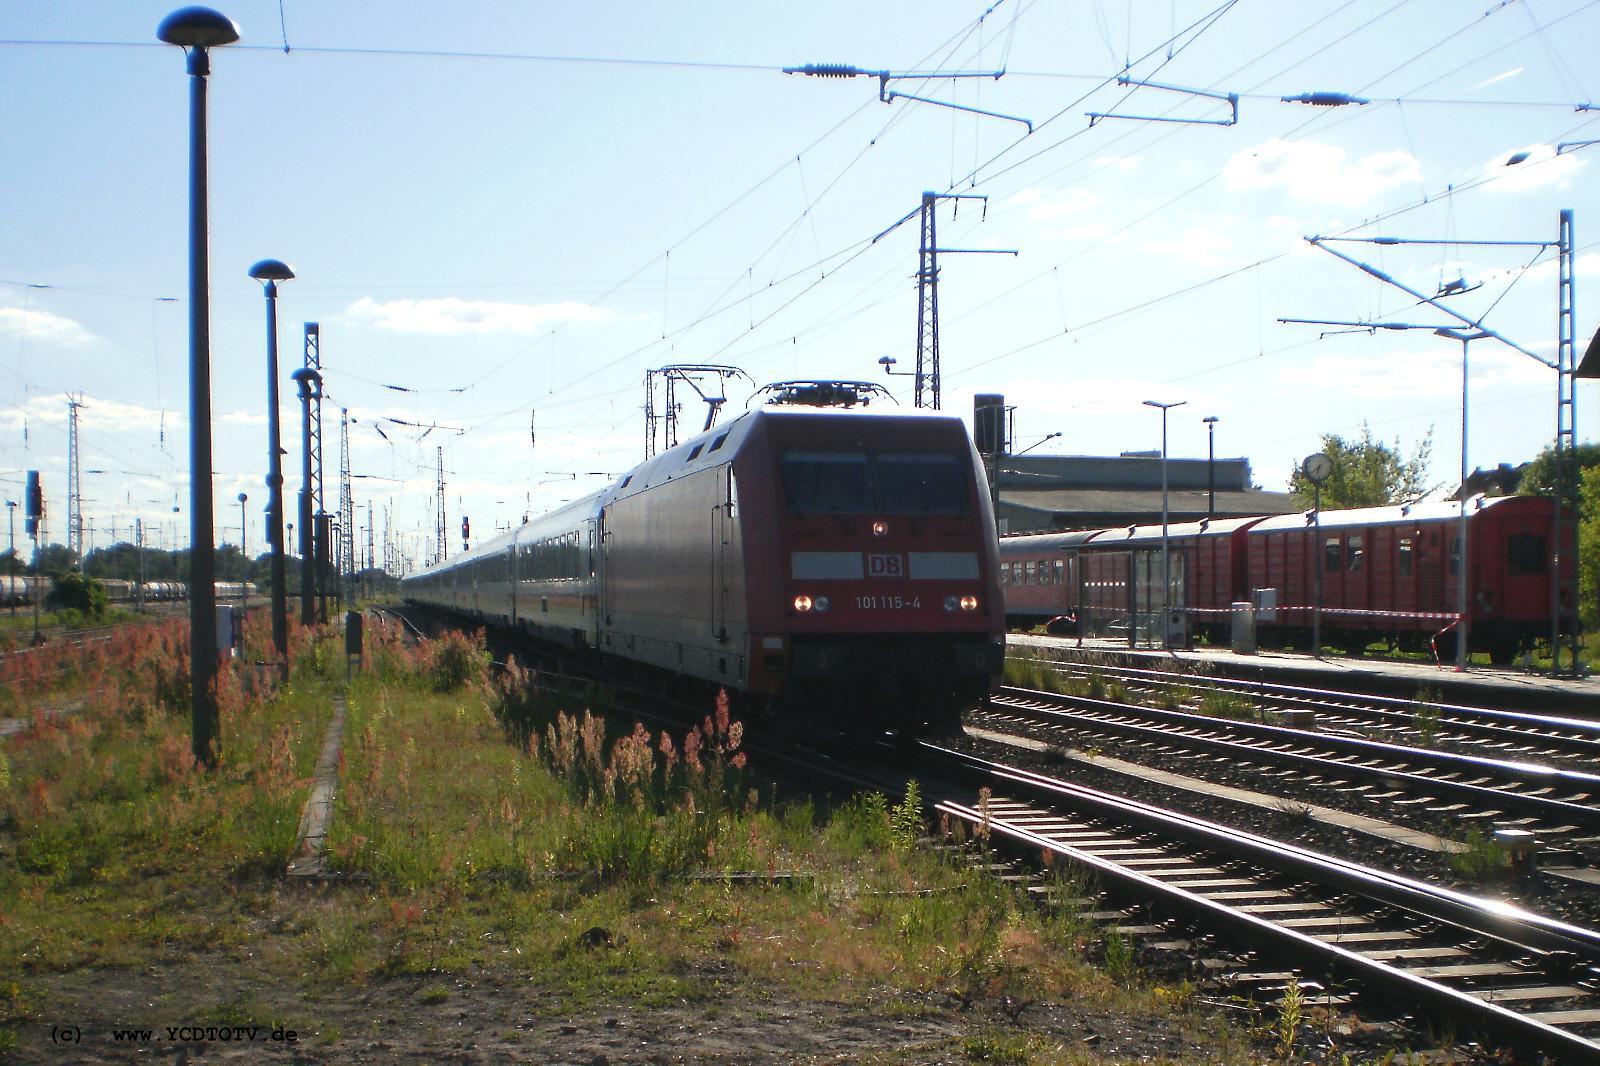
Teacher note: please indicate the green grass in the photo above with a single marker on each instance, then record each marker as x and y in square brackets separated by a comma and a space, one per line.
[485, 832]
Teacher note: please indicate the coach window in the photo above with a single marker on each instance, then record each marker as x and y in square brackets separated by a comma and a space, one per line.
[1525, 554]
[1060, 570]
[1332, 554]
[1404, 557]
[1354, 553]
[1029, 573]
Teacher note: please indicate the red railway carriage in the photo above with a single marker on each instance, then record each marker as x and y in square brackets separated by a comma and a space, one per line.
[822, 562]
[1395, 572]
[1113, 576]
[1387, 573]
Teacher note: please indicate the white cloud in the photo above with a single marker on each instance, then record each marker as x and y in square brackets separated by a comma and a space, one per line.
[1122, 163]
[1202, 244]
[42, 326]
[452, 316]
[1046, 206]
[96, 413]
[1432, 373]
[1539, 168]
[1320, 173]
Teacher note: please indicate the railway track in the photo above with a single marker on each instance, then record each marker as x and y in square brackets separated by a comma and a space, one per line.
[1423, 787]
[1480, 966]
[1429, 722]
[1252, 914]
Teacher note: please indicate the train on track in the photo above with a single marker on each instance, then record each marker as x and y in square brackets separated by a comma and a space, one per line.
[1387, 573]
[834, 568]
[20, 590]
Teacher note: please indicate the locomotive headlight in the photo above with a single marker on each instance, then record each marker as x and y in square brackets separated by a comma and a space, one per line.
[802, 603]
[821, 604]
[950, 604]
[880, 529]
[969, 603]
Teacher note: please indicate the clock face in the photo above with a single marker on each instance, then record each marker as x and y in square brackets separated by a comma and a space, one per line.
[1317, 467]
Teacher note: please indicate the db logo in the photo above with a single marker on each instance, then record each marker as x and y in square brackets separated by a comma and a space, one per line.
[886, 566]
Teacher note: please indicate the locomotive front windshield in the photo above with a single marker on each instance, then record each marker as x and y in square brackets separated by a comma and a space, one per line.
[874, 482]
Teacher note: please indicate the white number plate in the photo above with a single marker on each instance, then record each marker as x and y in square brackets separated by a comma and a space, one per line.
[888, 603]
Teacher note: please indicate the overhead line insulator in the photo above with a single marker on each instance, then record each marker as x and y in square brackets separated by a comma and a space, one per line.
[1325, 99]
[833, 70]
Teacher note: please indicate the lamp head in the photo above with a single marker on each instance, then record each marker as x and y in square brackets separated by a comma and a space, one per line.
[1210, 419]
[310, 382]
[243, 497]
[197, 27]
[272, 270]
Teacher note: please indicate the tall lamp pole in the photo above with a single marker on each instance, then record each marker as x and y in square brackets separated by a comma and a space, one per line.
[1211, 465]
[244, 556]
[270, 272]
[11, 592]
[195, 30]
[1166, 574]
[1463, 626]
[310, 383]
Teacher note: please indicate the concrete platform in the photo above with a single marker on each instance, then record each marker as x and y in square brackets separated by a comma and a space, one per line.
[1478, 687]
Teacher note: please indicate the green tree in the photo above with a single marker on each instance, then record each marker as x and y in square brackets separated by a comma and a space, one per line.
[1540, 477]
[1366, 473]
[1589, 548]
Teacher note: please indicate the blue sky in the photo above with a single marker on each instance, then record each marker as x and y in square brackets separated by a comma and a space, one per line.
[485, 215]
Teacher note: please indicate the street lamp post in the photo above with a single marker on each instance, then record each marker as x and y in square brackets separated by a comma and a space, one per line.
[11, 515]
[244, 556]
[1211, 465]
[310, 383]
[270, 272]
[1464, 624]
[1166, 574]
[195, 30]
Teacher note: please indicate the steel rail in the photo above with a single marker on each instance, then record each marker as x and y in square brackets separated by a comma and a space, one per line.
[1530, 774]
[1580, 734]
[1440, 1000]
[1492, 918]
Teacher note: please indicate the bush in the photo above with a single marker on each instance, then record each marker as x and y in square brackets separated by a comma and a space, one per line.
[72, 591]
[456, 660]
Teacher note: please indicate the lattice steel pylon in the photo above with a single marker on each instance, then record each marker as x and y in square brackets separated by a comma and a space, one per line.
[74, 483]
[314, 361]
[1564, 590]
[347, 503]
[441, 543]
[927, 391]
[928, 306]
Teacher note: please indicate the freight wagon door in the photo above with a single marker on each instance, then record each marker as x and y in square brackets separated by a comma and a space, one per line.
[1430, 571]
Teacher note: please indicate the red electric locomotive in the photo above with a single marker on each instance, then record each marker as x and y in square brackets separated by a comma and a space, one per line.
[833, 566]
